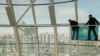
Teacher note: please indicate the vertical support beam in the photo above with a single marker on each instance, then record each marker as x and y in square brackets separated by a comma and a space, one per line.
[56, 40]
[10, 17]
[76, 17]
[17, 40]
[52, 15]
[76, 10]
[34, 18]
[53, 22]
[10, 9]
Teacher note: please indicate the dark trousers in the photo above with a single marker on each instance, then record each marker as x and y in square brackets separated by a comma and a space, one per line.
[92, 28]
[75, 31]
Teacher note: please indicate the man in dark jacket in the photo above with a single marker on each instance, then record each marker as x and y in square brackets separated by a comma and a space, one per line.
[92, 22]
[75, 28]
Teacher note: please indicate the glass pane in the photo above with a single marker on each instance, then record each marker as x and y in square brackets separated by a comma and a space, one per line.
[46, 41]
[27, 38]
[63, 40]
[21, 1]
[61, 0]
[88, 48]
[3, 15]
[2, 1]
[86, 10]
[42, 15]
[18, 11]
[64, 12]
[27, 18]
[41, 1]
[7, 42]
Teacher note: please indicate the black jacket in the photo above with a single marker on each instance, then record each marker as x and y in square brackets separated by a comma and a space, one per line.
[74, 24]
[92, 21]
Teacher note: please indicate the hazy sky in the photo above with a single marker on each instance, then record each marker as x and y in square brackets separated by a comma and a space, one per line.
[63, 11]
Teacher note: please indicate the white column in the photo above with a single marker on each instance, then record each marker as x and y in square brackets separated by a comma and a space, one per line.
[11, 17]
[76, 10]
[53, 22]
[34, 18]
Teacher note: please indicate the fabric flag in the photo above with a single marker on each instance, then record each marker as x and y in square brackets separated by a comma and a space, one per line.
[83, 33]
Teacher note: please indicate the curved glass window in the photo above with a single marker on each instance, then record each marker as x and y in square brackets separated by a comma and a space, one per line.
[41, 27]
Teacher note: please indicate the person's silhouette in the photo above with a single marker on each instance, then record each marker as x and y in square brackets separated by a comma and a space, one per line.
[92, 22]
[75, 28]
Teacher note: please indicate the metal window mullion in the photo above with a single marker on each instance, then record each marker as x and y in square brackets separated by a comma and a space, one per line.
[37, 41]
[56, 40]
[53, 19]
[38, 4]
[33, 11]
[9, 2]
[76, 10]
[17, 40]
[34, 18]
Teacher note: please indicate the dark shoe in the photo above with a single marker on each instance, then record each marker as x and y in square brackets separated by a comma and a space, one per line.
[76, 39]
[88, 39]
[95, 39]
[72, 39]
